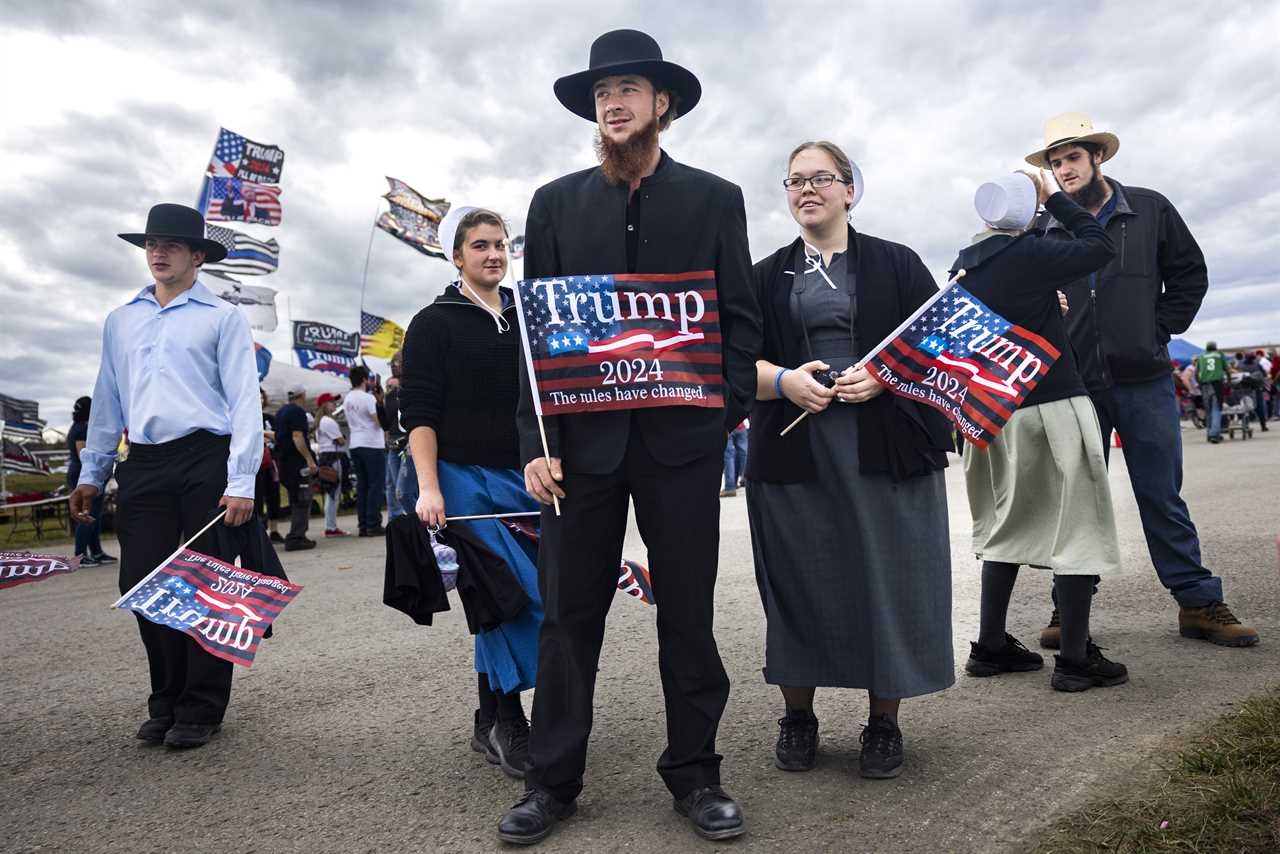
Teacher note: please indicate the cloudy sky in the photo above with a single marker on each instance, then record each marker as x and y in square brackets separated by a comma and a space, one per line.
[111, 107]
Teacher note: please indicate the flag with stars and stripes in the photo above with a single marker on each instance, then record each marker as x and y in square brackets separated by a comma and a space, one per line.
[960, 357]
[624, 341]
[379, 337]
[245, 256]
[224, 608]
[234, 156]
[24, 567]
[230, 199]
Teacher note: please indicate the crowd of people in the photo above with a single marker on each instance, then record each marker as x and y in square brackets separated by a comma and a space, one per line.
[1247, 382]
[848, 513]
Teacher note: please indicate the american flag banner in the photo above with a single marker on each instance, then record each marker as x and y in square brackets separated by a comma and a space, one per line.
[379, 337]
[633, 576]
[625, 341]
[224, 608]
[24, 567]
[230, 199]
[338, 364]
[960, 357]
[234, 156]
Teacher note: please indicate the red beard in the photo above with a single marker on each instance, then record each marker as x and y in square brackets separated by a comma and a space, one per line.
[624, 162]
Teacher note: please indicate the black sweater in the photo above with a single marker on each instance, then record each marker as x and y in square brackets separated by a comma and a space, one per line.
[1019, 277]
[461, 378]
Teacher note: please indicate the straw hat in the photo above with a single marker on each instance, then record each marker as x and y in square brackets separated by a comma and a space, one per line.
[1066, 128]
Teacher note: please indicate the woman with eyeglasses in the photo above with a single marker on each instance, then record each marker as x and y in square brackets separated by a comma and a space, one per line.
[848, 511]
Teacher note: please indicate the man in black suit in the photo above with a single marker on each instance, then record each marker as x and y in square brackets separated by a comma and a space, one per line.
[638, 212]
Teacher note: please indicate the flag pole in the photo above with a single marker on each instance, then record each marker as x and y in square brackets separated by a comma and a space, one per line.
[491, 516]
[364, 279]
[892, 335]
[165, 562]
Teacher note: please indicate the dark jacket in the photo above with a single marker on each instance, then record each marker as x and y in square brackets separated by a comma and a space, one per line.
[460, 378]
[490, 592]
[689, 220]
[896, 436]
[1149, 292]
[1019, 278]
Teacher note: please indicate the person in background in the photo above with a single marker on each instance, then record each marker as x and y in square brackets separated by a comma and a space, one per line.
[848, 512]
[1255, 384]
[266, 489]
[1273, 372]
[297, 466]
[329, 443]
[389, 417]
[1211, 374]
[368, 451]
[88, 544]
[461, 385]
[735, 460]
[1120, 322]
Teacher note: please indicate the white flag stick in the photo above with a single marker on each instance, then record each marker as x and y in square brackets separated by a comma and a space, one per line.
[165, 562]
[491, 516]
[892, 335]
[533, 387]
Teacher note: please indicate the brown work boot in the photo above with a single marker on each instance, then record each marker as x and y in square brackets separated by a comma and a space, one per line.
[1051, 635]
[1215, 623]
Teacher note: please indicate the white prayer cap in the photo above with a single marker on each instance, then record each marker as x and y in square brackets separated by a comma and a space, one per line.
[857, 184]
[1007, 202]
[449, 228]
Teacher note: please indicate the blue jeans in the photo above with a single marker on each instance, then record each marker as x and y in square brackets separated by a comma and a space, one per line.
[407, 486]
[735, 457]
[370, 465]
[1146, 417]
[392, 481]
[1212, 409]
[87, 542]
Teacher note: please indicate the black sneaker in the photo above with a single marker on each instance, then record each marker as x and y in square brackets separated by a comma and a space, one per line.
[299, 545]
[103, 557]
[88, 560]
[797, 748]
[881, 757]
[480, 739]
[276, 538]
[1013, 657]
[510, 739]
[1094, 671]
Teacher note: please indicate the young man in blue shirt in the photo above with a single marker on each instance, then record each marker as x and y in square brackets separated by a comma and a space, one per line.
[178, 371]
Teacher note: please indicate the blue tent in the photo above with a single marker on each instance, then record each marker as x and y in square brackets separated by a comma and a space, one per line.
[1183, 352]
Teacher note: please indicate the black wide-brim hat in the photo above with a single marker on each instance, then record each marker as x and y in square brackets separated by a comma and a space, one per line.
[626, 52]
[178, 222]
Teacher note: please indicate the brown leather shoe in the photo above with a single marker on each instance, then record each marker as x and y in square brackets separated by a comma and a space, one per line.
[1051, 635]
[1216, 624]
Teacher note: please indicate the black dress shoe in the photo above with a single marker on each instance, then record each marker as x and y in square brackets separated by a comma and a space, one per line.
[299, 545]
[187, 736]
[532, 818]
[714, 814]
[153, 730]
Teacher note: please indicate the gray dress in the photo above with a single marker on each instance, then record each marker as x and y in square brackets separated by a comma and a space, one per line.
[854, 570]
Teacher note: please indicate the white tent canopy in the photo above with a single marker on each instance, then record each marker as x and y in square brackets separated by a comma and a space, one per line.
[282, 375]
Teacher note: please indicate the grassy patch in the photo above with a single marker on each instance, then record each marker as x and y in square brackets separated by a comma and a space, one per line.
[20, 484]
[1220, 793]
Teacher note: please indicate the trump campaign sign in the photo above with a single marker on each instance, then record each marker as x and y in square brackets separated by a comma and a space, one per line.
[624, 341]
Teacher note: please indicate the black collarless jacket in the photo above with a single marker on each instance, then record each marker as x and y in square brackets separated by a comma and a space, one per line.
[688, 220]
[896, 436]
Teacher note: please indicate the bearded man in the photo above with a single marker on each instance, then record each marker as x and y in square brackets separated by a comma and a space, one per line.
[1120, 322]
[639, 211]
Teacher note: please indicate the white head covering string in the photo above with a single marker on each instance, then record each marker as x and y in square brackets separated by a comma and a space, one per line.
[813, 258]
[502, 323]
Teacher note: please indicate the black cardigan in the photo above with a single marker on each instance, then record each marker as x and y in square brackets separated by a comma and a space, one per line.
[896, 436]
[461, 378]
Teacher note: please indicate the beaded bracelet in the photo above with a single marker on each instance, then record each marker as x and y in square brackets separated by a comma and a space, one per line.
[777, 383]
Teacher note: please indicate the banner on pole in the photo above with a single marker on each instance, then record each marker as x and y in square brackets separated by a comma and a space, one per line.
[960, 357]
[626, 341]
[235, 156]
[309, 335]
[329, 363]
[230, 199]
[245, 255]
[224, 608]
[24, 567]
[379, 337]
[256, 303]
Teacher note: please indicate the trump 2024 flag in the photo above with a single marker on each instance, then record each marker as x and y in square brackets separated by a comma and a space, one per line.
[226, 609]
[601, 342]
[24, 567]
[964, 360]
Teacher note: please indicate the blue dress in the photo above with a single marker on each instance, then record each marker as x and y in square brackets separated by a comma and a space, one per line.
[508, 654]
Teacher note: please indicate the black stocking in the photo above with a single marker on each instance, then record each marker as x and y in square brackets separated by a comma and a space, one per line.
[997, 587]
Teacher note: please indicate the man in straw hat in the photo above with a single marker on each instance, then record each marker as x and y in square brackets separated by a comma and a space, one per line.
[1120, 322]
[178, 370]
[639, 211]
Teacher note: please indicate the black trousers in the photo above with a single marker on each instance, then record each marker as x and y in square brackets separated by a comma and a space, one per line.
[167, 493]
[678, 513]
[266, 493]
[299, 489]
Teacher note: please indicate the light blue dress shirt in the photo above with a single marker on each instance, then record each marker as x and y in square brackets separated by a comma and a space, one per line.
[167, 372]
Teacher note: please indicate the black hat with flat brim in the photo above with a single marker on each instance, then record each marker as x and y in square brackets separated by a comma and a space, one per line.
[626, 52]
[178, 222]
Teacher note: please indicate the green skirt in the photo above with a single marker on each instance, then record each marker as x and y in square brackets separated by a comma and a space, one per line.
[1039, 493]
